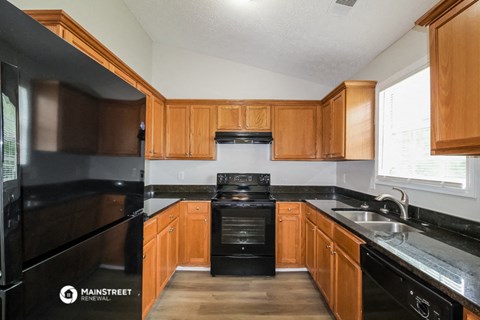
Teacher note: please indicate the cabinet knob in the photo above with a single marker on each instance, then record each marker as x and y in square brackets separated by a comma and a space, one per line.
[280, 220]
[289, 209]
[190, 154]
[144, 257]
[333, 252]
[205, 219]
[328, 246]
[186, 153]
[197, 208]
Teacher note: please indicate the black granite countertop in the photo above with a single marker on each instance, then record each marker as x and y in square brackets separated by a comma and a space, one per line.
[448, 261]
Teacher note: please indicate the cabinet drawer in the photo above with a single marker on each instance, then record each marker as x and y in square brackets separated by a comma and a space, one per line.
[166, 217]
[149, 230]
[311, 214]
[348, 242]
[198, 207]
[324, 224]
[289, 207]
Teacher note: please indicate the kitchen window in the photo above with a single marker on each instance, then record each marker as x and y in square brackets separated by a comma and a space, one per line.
[404, 140]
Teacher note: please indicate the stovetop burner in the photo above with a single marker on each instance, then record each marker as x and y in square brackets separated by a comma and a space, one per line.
[243, 187]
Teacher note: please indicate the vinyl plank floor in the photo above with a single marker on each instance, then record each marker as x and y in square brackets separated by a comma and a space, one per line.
[197, 295]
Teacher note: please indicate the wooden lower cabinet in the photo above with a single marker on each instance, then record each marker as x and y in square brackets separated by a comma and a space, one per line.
[325, 266]
[196, 234]
[289, 235]
[310, 240]
[468, 315]
[337, 270]
[347, 287]
[149, 270]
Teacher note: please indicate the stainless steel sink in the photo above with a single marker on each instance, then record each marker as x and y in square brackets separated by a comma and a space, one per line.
[362, 216]
[388, 227]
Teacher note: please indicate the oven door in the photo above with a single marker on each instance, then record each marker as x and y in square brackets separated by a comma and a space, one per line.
[243, 228]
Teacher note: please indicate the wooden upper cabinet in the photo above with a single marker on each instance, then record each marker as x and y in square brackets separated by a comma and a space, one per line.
[257, 118]
[295, 132]
[348, 113]
[124, 75]
[154, 125]
[177, 142]
[85, 48]
[202, 126]
[119, 123]
[454, 76]
[190, 132]
[229, 118]
[468, 315]
[243, 118]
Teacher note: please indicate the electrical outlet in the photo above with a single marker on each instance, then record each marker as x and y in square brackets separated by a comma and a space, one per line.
[181, 175]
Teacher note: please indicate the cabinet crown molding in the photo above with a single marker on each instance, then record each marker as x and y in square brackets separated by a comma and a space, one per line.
[436, 12]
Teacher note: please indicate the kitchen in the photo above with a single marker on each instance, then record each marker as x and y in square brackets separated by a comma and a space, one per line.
[199, 76]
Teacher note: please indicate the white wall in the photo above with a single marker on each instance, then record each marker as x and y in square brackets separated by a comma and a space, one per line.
[183, 74]
[111, 23]
[179, 73]
[241, 158]
[360, 176]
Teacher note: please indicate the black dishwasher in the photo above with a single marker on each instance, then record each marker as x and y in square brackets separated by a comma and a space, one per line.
[393, 293]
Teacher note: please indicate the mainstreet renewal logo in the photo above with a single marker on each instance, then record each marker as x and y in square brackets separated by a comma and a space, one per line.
[69, 294]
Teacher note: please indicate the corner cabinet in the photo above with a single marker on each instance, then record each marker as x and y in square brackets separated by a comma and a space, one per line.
[243, 118]
[190, 132]
[348, 115]
[454, 76]
[295, 132]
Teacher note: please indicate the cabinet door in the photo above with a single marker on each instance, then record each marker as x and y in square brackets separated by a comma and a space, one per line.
[148, 278]
[455, 80]
[197, 242]
[118, 126]
[257, 118]
[325, 266]
[177, 131]
[288, 240]
[125, 76]
[337, 138]
[172, 259]
[347, 288]
[162, 259]
[310, 247]
[468, 315]
[327, 129]
[229, 118]
[294, 132]
[157, 128]
[202, 132]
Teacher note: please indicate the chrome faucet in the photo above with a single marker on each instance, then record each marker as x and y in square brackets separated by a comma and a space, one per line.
[402, 203]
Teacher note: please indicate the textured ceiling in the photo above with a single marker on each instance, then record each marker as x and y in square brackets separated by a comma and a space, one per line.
[307, 39]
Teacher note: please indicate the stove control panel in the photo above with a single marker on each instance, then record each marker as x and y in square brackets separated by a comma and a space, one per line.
[251, 179]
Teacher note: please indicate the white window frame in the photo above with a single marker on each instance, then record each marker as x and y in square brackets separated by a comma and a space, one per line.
[424, 185]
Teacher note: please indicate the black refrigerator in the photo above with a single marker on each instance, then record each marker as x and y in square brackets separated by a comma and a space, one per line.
[72, 180]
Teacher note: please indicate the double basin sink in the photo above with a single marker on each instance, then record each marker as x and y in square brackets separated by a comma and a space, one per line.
[375, 222]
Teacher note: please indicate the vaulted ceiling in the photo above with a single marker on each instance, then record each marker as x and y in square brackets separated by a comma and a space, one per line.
[315, 40]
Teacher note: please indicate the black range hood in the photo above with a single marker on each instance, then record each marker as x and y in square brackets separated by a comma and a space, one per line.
[243, 137]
